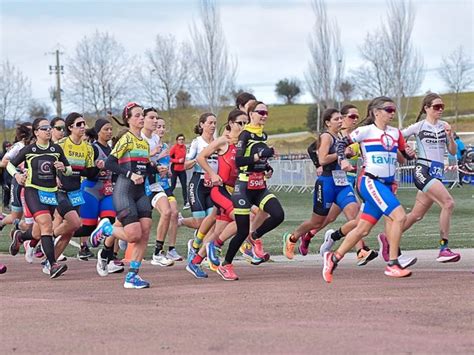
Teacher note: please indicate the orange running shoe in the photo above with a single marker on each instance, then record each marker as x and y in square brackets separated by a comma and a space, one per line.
[396, 271]
[257, 247]
[227, 272]
[328, 267]
[288, 246]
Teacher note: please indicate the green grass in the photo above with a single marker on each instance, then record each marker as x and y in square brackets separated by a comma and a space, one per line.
[423, 235]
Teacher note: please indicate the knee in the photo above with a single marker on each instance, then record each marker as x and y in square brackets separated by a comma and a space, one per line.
[174, 215]
[279, 216]
[134, 235]
[166, 214]
[449, 205]
[400, 218]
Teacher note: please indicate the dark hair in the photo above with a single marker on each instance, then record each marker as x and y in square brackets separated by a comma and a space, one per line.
[6, 145]
[374, 104]
[91, 134]
[36, 124]
[22, 132]
[56, 119]
[202, 119]
[232, 117]
[127, 112]
[427, 101]
[345, 109]
[150, 109]
[180, 135]
[243, 98]
[70, 120]
[327, 114]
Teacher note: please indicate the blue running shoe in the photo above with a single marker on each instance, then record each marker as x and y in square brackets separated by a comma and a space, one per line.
[213, 253]
[191, 251]
[133, 280]
[196, 270]
[103, 230]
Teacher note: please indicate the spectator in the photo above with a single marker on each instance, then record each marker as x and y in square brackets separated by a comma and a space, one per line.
[178, 156]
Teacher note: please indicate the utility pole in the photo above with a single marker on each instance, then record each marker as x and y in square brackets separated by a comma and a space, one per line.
[58, 70]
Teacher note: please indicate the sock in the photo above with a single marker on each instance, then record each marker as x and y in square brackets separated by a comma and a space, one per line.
[84, 245]
[337, 235]
[48, 248]
[170, 248]
[254, 235]
[108, 253]
[198, 240]
[197, 259]
[34, 242]
[443, 244]
[158, 246]
[134, 268]
[219, 243]
[393, 262]
[27, 235]
[336, 257]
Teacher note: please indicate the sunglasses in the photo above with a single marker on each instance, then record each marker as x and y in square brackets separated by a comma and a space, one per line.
[241, 123]
[262, 112]
[438, 107]
[45, 128]
[80, 124]
[389, 109]
[353, 116]
[59, 128]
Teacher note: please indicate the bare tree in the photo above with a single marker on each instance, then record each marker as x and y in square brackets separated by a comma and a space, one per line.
[37, 109]
[147, 87]
[394, 67]
[214, 69]
[326, 67]
[457, 73]
[98, 73]
[15, 94]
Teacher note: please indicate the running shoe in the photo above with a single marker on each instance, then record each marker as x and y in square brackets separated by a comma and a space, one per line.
[39, 252]
[114, 268]
[15, 243]
[227, 272]
[57, 270]
[191, 251]
[62, 257]
[3, 268]
[257, 261]
[101, 265]
[45, 266]
[186, 206]
[384, 247]
[117, 261]
[288, 246]
[160, 259]
[328, 267]
[29, 252]
[133, 280]
[257, 248]
[303, 248]
[213, 253]
[396, 271]
[84, 253]
[406, 261]
[103, 230]
[445, 256]
[327, 244]
[365, 255]
[246, 250]
[196, 271]
[173, 255]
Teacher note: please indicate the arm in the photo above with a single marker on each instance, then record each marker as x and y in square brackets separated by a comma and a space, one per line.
[325, 143]
[408, 154]
[201, 159]
[240, 159]
[452, 146]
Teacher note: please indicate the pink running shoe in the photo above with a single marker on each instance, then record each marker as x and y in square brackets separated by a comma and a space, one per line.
[3, 268]
[39, 252]
[383, 246]
[304, 243]
[257, 248]
[447, 256]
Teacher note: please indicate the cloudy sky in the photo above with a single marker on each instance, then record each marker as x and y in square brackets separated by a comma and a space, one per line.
[268, 37]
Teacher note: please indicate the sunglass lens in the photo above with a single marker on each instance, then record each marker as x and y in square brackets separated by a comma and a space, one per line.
[438, 107]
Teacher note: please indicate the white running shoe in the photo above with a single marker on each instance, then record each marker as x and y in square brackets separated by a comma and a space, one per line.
[114, 268]
[173, 255]
[62, 257]
[328, 242]
[29, 252]
[161, 260]
[45, 266]
[101, 265]
[406, 261]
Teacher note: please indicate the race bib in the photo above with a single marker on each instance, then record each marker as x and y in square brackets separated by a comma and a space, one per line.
[340, 178]
[48, 198]
[108, 188]
[436, 170]
[76, 198]
[256, 181]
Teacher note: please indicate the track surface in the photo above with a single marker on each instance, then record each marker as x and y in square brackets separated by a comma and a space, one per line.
[280, 307]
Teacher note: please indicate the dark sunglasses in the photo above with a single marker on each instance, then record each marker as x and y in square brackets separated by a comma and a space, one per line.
[241, 123]
[438, 107]
[389, 109]
[59, 128]
[45, 128]
[353, 116]
[80, 124]
[262, 112]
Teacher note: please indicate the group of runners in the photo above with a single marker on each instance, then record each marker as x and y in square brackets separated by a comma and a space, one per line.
[69, 181]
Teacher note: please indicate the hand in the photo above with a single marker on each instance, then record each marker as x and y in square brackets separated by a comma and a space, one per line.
[59, 165]
[181, 160]
[59, 183]
[319, 171]
[20, 178]
[137, 179]
[163, 153]
[216, 180]
[349, 152]
[410, 152]
[162, 170]
[100, 164]
[266, 152]
[346, 166]
[449, 130]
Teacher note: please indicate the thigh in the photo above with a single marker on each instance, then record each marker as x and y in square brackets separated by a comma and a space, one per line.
[438, 193]
[34, 204]
[106, 207]
[324, 195]
[89, 211]
[378, 199]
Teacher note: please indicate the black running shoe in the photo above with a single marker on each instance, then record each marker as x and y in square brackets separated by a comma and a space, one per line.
[57, 270]
[16, 242]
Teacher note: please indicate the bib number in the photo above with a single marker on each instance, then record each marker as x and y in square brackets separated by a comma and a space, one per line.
[76, 198]
[436, 170]
[48, 198]
[108, 188]
[340, 178]
[256, 181]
